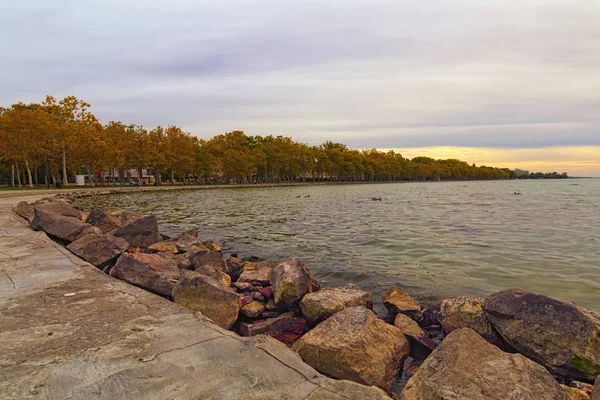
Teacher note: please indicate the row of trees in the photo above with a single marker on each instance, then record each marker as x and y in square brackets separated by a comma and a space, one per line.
[52, 141]
[541, 175]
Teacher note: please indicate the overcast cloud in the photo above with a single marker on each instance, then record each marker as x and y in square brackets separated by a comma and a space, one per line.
[388, 74]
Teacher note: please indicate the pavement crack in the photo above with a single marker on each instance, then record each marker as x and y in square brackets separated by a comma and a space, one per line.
[287, 365]
[185, 347]
[14, 285]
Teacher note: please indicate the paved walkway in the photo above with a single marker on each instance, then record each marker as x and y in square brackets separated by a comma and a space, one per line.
[68, 331]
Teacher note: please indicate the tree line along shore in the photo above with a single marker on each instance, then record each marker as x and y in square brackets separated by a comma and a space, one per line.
[42, 144]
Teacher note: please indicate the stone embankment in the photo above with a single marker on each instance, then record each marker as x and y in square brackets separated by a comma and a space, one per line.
[511, 345]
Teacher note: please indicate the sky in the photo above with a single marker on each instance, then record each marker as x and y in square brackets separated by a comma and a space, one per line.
[494, 82]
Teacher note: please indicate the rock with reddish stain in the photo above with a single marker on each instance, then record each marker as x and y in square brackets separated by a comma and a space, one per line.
[284, 328]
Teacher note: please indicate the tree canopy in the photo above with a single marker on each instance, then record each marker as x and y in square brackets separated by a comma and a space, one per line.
[55, 140]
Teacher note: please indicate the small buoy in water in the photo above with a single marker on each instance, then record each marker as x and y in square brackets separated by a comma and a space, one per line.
[376, 198]
[298, 196]
[306, 197]
[517, 193]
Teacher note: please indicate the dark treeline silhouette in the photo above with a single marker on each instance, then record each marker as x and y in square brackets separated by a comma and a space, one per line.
[541, 175]
[51, 142]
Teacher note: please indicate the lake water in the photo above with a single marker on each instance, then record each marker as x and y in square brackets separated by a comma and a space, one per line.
[433, 240]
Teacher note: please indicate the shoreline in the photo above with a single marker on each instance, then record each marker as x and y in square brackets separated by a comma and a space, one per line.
[484, 318]
[5, 191]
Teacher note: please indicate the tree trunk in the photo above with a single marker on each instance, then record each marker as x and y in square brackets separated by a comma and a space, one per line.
[46, 175]
[64, 166]
[18, 176]
[172, 177]
[90, 176]
[35, 174]
[28, 172]
[139, 171]
[12, 175]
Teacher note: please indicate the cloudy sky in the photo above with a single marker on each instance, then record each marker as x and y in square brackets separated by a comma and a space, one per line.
[500, 82]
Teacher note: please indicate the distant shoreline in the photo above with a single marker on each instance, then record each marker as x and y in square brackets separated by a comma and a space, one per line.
[39, 189]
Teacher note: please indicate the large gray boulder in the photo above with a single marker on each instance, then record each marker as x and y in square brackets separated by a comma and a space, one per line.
[98, 249]
[291, 281]
[142, 232]
[148, 271]
[558, 335]
[103, 221]
[25, 210]
[356, 345]
[61, 208]
[208, 296]
[466, 367]
[320, 305]
[58, 226]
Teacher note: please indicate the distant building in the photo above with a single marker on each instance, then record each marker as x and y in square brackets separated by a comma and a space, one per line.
[130, 175]
[520, 172]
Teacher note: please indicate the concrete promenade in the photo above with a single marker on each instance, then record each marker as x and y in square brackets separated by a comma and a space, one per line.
[68, 331]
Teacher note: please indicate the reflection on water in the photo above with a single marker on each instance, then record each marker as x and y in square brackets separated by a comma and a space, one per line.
[434, 240]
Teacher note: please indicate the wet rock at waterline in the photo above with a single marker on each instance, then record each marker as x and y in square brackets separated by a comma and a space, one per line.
[58, 226]
[466, 312]
[356, 345]
[421, 343]
[103, 221]
[149, 271]
[213, 246]
[127, 217]
[285, 328]
[465, 366]
[291, 281]
[98, 249]
[208, 296]
[142, 232]
[398, 302]
[234, 267]
[189, 243]
[320, 305]
[558, 335]
[25, 210]
[210, 260]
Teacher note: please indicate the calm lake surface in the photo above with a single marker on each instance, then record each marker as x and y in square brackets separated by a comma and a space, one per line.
[433, 240]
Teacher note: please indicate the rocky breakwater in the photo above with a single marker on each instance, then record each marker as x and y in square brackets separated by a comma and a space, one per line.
[511, 345]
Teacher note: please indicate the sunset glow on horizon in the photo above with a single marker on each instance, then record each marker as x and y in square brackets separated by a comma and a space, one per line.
[575, 160]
